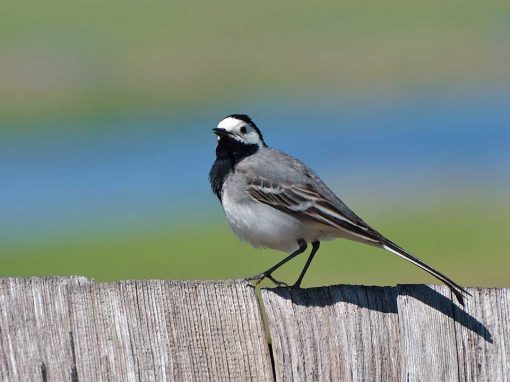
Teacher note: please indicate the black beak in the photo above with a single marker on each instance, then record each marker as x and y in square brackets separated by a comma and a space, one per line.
[220, 132]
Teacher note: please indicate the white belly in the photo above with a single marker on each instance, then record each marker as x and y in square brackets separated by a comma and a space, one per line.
[264, 226]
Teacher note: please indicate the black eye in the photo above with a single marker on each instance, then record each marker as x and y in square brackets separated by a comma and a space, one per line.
[243, 130]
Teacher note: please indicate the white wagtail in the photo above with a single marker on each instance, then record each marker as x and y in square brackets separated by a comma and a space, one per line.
[273, 200]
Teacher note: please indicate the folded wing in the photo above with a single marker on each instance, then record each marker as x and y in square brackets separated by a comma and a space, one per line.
[309, 203]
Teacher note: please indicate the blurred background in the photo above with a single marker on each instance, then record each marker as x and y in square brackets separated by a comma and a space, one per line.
[106, 111]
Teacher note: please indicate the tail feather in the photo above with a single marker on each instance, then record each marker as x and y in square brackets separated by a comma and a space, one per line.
[457, 290]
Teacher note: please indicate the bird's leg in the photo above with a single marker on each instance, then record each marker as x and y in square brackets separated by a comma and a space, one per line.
[315, 248]
[268, 273]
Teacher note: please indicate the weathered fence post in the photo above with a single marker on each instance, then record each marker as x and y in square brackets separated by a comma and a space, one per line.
[408, 333]
[71, 328]
[60, 329]
[337, 333]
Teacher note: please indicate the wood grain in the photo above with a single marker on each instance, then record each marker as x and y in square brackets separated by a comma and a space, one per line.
[35, 341]
[73, 329]
[65, 329]
[155, 330]
[427, 330]
[340, 333]
[443, 341]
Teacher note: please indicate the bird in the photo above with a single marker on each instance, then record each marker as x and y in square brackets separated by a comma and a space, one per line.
[273, 200]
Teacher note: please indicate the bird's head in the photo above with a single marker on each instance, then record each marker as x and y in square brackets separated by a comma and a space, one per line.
[239, 130]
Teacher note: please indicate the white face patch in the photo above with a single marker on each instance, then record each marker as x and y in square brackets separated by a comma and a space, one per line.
[241, 131]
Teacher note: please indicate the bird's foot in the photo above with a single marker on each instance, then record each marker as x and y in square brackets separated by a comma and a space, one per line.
[257, 278]
[278, 283]
[296, 285]
[264, 275]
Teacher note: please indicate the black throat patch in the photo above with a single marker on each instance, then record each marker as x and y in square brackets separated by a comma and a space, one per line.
[229, 153]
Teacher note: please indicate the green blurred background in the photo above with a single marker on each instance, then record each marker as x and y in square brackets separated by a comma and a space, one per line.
[106, 110]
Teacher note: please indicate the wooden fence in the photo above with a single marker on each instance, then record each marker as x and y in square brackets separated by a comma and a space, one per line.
[73, 329]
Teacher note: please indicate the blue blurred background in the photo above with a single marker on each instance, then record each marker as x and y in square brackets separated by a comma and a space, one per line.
[106, 111]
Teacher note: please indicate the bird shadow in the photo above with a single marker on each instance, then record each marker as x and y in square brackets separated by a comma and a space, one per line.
[384, 300]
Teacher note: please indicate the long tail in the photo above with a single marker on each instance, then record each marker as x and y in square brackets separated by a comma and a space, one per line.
[457, 290]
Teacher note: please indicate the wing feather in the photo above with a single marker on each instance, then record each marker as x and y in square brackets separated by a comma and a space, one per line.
[309, 203]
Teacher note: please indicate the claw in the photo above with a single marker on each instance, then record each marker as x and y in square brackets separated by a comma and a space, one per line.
[258, 277]
[261, 276]
[277, 282]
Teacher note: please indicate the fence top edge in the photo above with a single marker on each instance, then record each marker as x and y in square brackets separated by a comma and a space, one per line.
[87, 280]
